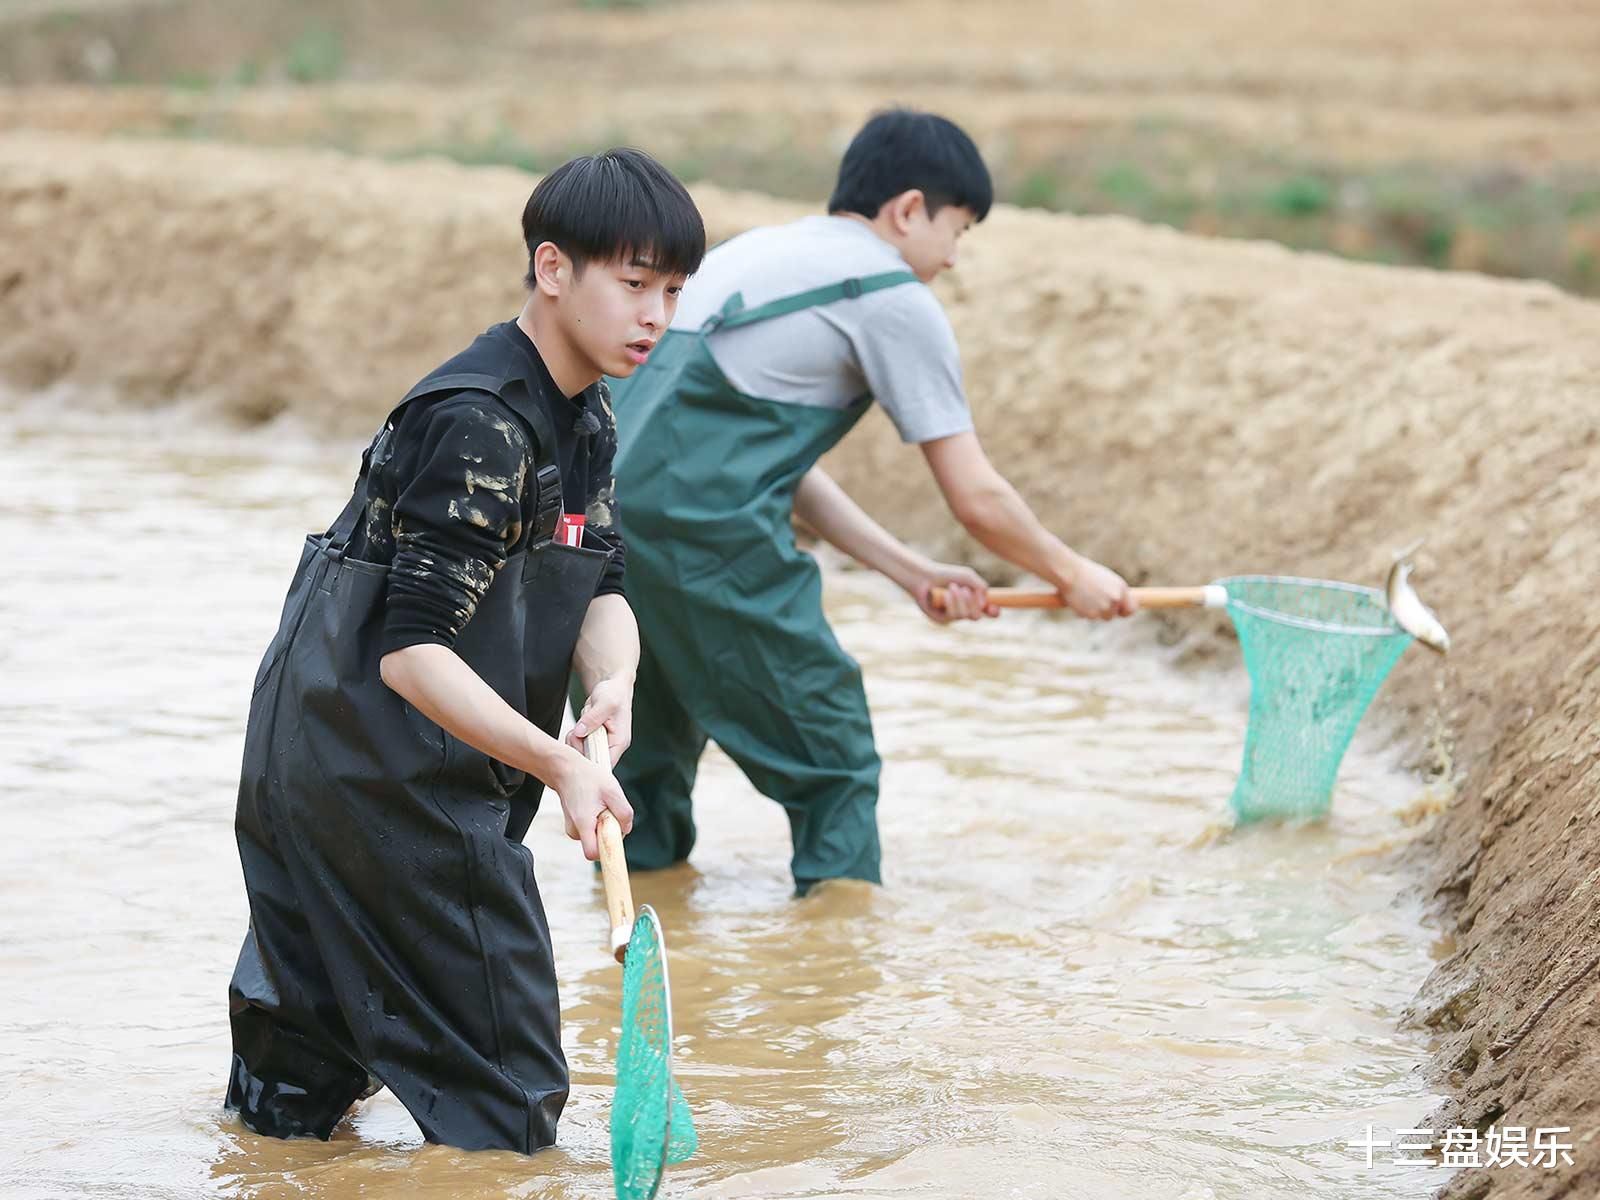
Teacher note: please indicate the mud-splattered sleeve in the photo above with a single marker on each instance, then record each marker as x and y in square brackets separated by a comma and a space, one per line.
[603, 519]
[455, 521]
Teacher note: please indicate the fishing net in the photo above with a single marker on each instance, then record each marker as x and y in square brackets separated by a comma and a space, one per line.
[1317, 652]
[650, 1122]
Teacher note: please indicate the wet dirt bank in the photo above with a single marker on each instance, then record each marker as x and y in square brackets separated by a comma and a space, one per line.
[1180, 408]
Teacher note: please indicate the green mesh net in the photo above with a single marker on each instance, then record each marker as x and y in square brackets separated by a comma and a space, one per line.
[1317, 652]
[650, 1122]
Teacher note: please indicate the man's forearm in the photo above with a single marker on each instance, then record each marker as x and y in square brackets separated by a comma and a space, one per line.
[842, 523]
[608, 643]
[1002, 522]
[440, 685]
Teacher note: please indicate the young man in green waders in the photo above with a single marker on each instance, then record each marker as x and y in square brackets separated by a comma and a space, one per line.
[782, 340]
[405, 717]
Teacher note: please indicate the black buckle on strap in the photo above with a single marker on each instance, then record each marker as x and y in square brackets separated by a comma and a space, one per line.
[852, 288]
[547, 503]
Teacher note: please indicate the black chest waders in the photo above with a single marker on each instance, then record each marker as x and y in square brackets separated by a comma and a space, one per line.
[395, 925]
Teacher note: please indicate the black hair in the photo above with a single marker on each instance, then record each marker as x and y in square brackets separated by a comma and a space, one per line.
[619, 204]
[900, 149]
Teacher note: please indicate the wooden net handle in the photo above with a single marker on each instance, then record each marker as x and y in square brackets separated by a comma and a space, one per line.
[613, 863]
[1210, 595]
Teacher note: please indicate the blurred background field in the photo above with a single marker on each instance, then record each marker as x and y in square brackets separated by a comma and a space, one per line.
[1430, 133]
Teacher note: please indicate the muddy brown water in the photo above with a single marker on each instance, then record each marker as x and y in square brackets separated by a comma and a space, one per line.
[1076, 983]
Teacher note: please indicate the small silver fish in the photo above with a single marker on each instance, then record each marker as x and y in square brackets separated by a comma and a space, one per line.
[1409, 612]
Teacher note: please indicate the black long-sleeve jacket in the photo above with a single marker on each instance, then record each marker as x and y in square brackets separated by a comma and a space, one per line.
[453, 501]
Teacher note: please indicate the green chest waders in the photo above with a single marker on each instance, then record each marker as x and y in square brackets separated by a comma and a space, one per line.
[736, 647]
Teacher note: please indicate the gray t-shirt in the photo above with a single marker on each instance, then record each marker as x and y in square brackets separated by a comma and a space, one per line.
[895, 344]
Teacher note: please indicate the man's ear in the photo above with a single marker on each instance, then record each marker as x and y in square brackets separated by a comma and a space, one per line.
[552, 270]
[903, 208]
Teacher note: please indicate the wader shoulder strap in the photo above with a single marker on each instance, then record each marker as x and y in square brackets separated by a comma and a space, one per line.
[344, 525]
[513, 392]
[498, 386]
[734, 314]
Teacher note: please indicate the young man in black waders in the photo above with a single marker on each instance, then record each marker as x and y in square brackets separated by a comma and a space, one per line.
[783, 339]
[405, 717]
